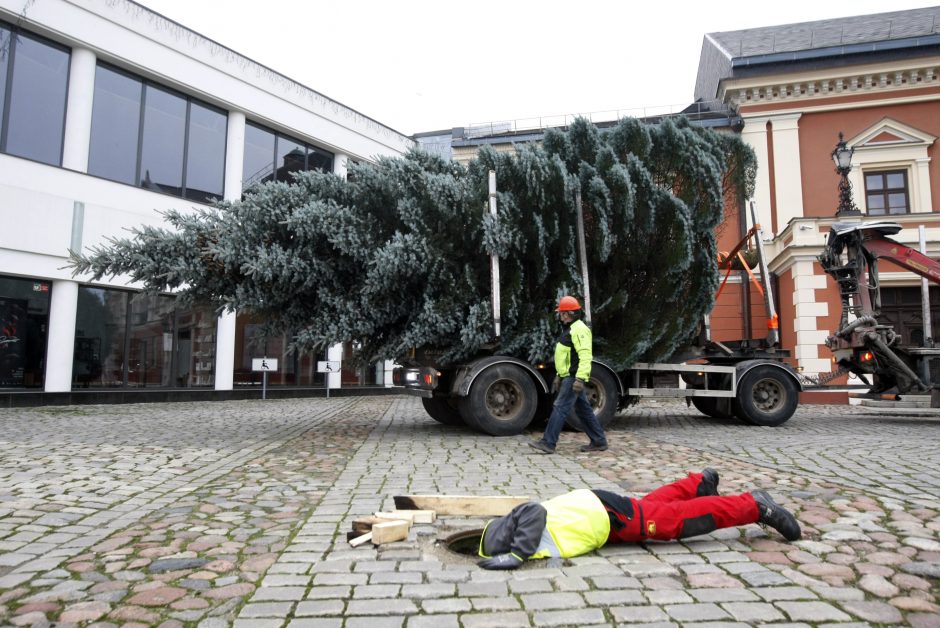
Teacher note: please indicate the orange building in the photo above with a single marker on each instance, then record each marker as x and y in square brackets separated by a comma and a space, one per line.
[796, 87]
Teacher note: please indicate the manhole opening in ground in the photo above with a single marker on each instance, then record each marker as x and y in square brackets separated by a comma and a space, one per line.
[465, 542]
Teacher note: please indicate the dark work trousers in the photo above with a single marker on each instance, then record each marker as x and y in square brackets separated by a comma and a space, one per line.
[674, 512]
[565, 400]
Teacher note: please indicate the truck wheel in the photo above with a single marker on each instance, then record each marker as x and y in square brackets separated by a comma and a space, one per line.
[443, 410]
[602, 393]
[501, 402]
[766, 396]
[709, 406]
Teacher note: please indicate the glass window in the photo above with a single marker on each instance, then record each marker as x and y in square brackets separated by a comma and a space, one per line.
[161, 148]
[319, 159]
[291, 157]
[295, 368]
[887, 193]
[100, 334]
[205, 173]
[5, 43]
[169, 347]
[24, 320]
[258, 166]
[143, 135]
[115, 126]
[35, 118]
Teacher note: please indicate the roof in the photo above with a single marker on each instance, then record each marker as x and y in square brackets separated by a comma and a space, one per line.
[813, 45]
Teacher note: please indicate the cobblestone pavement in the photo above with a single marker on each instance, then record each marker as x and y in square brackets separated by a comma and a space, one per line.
[235, 513]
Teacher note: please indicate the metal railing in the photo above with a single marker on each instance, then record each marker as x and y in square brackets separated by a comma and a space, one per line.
[695, 110]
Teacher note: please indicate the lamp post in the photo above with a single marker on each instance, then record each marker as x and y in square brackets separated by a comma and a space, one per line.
[842, 156]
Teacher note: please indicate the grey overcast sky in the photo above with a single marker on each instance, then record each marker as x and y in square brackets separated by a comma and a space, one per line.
[424, 65]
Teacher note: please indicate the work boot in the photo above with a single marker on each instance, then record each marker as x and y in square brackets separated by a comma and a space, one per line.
[776, 516]
[709, 484]
[542, 446]
[592, 446]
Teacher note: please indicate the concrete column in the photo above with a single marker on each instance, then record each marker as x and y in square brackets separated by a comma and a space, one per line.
[335, 353]
[787, 172]
[234, 155]
[60, 344]
[755, 136]
[225, 326]
[389, 368]
[81, 97]
[340, 162]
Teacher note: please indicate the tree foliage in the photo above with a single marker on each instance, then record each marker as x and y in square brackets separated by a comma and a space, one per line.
[397, 256]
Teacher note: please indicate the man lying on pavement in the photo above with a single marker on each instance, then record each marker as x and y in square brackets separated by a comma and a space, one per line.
[583, 520]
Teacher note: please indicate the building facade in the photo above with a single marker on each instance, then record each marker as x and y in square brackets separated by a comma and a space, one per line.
[876, 80]
[111, 114]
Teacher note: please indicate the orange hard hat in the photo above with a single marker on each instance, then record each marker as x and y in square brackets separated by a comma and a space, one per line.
[568, 304]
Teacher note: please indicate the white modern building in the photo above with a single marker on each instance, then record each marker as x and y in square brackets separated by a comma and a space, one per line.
[109, 115]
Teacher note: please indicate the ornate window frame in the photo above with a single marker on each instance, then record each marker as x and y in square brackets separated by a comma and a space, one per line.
[893, 145]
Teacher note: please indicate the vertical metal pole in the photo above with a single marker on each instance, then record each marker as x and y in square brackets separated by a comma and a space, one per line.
[582, 251]
[773, 333]
[494, 260]
[925, 308]
[264, 385]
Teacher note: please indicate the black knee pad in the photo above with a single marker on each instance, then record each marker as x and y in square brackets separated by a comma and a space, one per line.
[698, 525]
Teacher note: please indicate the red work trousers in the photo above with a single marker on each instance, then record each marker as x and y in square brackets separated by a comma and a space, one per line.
[675, 511]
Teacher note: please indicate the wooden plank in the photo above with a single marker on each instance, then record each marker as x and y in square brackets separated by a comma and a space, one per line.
[412, 516]
[398, 515]
[364, 524]
[390, 531]
[483, 506]
[420, 516]
[359, 540]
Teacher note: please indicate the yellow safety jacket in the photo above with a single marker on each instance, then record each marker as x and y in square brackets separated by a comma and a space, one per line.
[573, 524]
[577, 523]
[573, 352]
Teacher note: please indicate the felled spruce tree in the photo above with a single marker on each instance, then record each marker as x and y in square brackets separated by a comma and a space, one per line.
[398, 256]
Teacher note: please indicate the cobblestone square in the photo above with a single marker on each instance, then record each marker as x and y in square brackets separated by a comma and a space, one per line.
[236, 513]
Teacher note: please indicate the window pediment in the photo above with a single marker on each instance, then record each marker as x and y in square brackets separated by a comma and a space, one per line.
[888, 132]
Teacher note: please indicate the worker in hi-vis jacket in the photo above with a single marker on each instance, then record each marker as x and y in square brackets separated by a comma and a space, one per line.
[573, 356]
[583, 520]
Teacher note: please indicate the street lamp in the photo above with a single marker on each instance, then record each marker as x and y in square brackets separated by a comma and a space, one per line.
[842, 156]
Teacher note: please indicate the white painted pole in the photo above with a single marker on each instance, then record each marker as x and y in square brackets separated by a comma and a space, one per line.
[925, 307]
[582, 249]
[494, 260]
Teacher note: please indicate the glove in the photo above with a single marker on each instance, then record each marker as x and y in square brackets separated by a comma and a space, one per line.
[556, 384]
[578, 386]
[501, 561]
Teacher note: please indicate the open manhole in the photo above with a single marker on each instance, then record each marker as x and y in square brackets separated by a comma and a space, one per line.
[465, 542]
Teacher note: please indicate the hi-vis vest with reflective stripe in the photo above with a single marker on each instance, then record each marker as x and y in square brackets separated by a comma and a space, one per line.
[576, 523]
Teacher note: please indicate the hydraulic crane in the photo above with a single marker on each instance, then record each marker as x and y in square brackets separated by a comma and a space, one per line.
[862, 345]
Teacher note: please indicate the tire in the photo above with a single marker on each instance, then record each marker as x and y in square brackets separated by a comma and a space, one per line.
[709, 406]
[443, 410]
[603, 395]
[501, 401]
[767, 396]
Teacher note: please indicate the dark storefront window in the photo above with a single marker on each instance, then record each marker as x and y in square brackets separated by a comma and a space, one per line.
[149, 136]
[33, 82]
[141, 341]
[273, 156]
[294, 368]
[24, 321]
